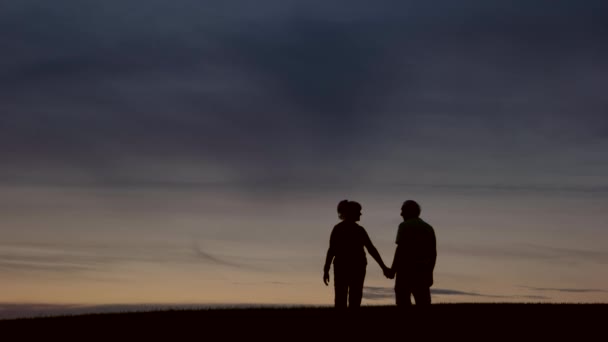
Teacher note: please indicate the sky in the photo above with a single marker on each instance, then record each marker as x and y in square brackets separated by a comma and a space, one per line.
[194, 152]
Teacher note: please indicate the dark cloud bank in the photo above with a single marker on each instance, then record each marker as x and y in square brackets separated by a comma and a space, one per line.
[568, 290]
[291, 92]
[379, 293]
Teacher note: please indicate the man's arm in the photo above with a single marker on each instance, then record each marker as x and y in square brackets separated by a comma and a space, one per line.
[396, 258]
[398, 251]
[434, 250]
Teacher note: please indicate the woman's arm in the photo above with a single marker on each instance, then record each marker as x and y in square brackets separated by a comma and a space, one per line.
[329, 258]
[374, 252]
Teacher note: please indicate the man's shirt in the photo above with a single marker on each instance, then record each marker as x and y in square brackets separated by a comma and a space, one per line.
[417, 251]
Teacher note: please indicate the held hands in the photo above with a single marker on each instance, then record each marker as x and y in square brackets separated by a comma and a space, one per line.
[326, 278]
[389, 273]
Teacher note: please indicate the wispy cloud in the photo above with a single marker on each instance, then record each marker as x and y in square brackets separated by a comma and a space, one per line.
[568, 290]
[531, 251]
[379, 293]
[221, 261]
[54, 259]
[252, 283]
[450, 292]
[376, 293]
[85, 258]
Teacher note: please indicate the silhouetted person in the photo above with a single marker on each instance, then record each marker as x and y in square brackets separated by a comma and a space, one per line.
[346, 250]
[415, 257]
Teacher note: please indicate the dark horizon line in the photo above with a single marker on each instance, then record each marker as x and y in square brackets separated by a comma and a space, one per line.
[57, 310]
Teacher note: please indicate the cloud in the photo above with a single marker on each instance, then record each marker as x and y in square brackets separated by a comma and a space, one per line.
[453, 292]
[568, 290]
[534, 297]
[532, 251]
[379, 293]
[92, 260]
[83, 259]
[90, 93]
[213, 259]
[280, 283]
[463, 293]
[31, 258]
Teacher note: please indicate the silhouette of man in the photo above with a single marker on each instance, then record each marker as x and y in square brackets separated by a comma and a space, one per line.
[415, 257]
[346, 251]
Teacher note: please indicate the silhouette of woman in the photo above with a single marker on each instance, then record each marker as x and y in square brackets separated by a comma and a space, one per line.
[346, 251]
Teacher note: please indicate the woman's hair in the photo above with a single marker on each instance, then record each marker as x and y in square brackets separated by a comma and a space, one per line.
[342, 208]
[346, 208]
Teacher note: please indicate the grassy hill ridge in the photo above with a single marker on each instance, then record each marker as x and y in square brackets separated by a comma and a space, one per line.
[438, 322]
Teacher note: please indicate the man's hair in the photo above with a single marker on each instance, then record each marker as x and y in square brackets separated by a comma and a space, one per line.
[410, 209]
[354, 207]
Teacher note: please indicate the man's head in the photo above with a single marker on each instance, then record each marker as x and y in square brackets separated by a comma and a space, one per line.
[410, 209]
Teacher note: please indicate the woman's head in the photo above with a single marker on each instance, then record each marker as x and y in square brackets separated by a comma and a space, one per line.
[342, 209]
[349, 210]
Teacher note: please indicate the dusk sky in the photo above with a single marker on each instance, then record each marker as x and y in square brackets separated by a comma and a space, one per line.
[194, 151]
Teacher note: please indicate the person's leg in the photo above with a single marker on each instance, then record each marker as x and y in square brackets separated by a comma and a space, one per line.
[341, 288]
[403, 297]
[356, 288]
[422, 296]
[402, 292]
